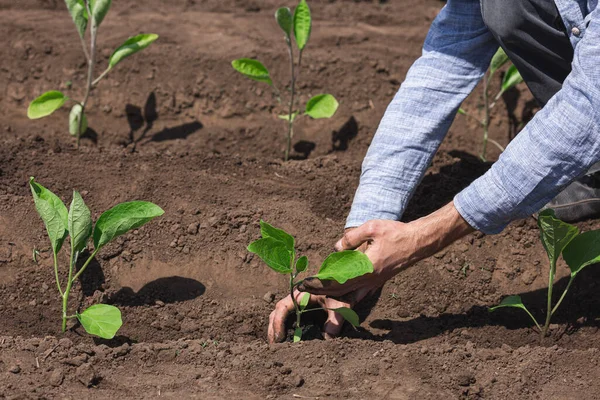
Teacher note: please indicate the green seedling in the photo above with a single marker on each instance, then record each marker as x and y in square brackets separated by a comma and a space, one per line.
[512, 78]
[297, 26]
[84, 12]
[579, 250]
[101, 320]
[277, 250]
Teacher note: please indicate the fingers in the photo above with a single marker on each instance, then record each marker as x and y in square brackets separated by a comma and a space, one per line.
[357, 295]
[353, 238]
[284, 307]
[319, 287]
[335, 322]
[277, 318]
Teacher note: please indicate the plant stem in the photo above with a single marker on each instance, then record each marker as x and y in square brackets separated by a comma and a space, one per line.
[549, 305]
[56, 274]
[563, 295]
[533, 318]
[296, 307]
[290, 134]
[90, 77]
[486, 120]
[72, 279]
[87, 262]
[102, 75]
[85, 50]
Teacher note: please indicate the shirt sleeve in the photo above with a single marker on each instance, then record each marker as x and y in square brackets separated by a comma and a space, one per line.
[560, 144]
[456, 54]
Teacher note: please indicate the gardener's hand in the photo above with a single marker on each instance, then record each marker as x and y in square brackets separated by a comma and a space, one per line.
[285, 307]
[392, 246]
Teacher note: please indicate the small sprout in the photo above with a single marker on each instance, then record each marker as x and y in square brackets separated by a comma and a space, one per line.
[578, 251]
[321, 106]
[101, 320]
[36, 253]
[512, 78]
[80, 11]
[277, 249]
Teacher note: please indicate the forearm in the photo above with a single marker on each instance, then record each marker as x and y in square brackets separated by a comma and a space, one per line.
[438, 230]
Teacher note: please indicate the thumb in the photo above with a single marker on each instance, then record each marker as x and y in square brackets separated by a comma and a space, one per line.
[353, 238]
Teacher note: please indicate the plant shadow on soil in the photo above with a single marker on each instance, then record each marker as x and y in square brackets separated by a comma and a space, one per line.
[173, 289]
[138, 119]
[340, 140]
[578, 310]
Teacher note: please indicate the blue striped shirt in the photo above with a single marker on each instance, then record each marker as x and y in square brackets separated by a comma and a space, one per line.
[557, 146]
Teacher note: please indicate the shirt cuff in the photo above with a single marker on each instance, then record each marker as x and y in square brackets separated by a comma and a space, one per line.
[475, 209]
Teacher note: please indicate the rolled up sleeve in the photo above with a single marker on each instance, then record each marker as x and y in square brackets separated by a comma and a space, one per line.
[456, 54]
[559, 145]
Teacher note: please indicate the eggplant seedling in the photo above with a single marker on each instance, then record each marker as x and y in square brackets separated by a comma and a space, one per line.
[512, 78]
[277, 250]
[299, 27]
[578, 251]
[82, 12]
[101, 320]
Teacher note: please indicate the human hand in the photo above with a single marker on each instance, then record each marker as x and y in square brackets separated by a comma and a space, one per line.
[391, 246]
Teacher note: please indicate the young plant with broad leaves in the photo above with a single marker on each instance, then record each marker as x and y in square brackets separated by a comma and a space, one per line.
[76, 223]
[511, 78]
[84, 13]
[296, 27]
[277, 249]
[579, 250]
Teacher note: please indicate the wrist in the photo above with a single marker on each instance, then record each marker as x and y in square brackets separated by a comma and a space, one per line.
[440, 229]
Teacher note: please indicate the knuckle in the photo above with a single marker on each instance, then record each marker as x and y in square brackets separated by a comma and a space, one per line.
[372, 228]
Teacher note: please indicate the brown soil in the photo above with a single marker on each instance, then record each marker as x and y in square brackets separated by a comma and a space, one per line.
[209, 153]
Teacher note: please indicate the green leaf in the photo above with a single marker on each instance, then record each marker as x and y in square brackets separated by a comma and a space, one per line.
[511, 79]
[297, 335]
[52, 211]
[286, 117]
[101, 320]
[131, 46]
[46, 104]
[80, 223]
[252, 69]
[275, 253]
[74, 119]
[344, 265]
[302, 24]
[555, 235]
[510, 301]
[285, 20]
[304, 301]
[78, 14]
[267, 231]
[122, 218]
[462, 111]
[99, 9]
[499, 59]
[348, 314]
[301, 264]
[515, 302]
[582, 251]
[322, 106]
